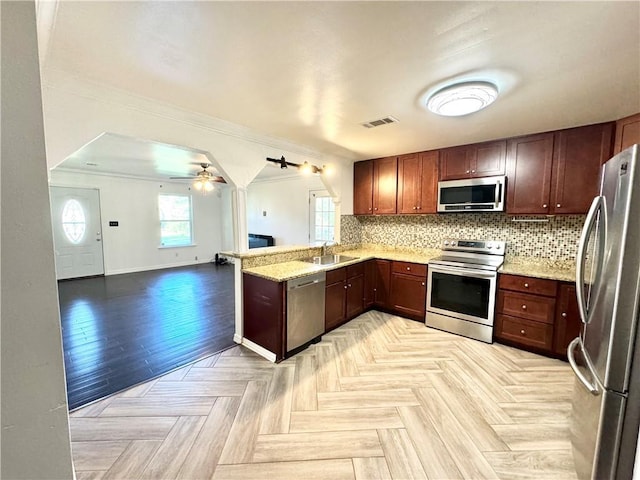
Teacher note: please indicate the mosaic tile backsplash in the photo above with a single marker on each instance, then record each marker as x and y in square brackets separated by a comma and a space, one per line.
[556, 239]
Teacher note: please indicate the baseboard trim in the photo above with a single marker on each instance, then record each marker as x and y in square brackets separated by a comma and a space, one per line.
[263, 352]
[237, 338]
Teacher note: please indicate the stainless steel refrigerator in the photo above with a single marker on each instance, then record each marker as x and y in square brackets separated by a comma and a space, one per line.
[606, 356]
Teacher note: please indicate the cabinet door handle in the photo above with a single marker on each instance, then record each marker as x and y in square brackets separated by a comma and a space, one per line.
[423, 284]
[558, 205]
[526, 285]
[409, 268]
[349, 285]
[564, 314]
[419, 208]
[345, 287]
[544, 206]
[415, 208]
[524, 307]
[369, 208]
[522, 332]
[467, 171]
[473, 171]
[375, 208]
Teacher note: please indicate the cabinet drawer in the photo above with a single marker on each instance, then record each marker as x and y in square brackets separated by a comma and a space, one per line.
[537, 286]
[355, 270]
[408, 268]
[337, 275]
[532, 307]
[525, 332]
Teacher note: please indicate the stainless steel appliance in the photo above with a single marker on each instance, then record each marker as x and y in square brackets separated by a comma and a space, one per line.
[305, 310]
[461, 287]
[472, 195]
[606, 355]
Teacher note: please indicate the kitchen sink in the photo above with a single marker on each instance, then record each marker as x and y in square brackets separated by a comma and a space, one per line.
[328, 259]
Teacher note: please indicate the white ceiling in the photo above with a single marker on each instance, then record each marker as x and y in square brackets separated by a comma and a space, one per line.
[312, 72]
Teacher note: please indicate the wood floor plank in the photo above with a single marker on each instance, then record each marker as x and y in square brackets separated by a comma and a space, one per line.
[349, 419]
[317, 446]
[536, 465]
[277, 409]
[327, 376]
[244, 431]
[466, 454]
[98, 455]
[473, 421]
[138, 390]
[176, 375]
[304, 384]
[133, 460]
[366, 399]
[345, 360]
[215, 388]
[436, 460]
[208, 361]
[535, 436]
[401, 456]
[543, 412]
[90, 474]
[173, 451]
[120, 428]
[341, 469]
[93, 409]
[540, 393]
[159, 406]
[371, 468]
[384, 381]
[549, 376]
[228, 373]
[205, 453]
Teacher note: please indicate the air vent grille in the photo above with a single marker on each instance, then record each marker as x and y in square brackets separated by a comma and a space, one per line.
[379, 122]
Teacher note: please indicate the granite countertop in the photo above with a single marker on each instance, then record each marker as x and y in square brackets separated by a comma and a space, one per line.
[563, 270]
[528, 266]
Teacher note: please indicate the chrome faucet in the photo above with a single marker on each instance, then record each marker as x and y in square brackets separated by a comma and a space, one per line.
[323, 252]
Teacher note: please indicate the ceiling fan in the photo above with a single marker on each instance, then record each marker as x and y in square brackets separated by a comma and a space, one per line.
[204, 179]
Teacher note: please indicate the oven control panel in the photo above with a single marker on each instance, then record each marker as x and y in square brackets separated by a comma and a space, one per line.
[491, 247]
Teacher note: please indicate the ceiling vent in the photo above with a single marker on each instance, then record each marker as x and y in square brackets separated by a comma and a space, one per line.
[381, 121]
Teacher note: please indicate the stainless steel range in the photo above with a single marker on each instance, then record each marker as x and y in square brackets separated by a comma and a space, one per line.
[461, 287]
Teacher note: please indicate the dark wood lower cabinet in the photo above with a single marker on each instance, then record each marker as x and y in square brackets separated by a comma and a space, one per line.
[568, 323]
[536, 314]
[409, 289]
[382, 284]
[264, 307]
[344, 295]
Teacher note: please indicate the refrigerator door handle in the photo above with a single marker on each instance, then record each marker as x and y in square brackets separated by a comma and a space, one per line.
[591, 387]
[589, 223]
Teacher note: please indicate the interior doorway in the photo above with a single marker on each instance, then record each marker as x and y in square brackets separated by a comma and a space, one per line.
[77, 232]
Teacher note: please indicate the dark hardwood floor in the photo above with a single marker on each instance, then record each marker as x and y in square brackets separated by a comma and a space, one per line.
[120, 330]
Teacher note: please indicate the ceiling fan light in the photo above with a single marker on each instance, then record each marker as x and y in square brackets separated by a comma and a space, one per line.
[462, 98]
[197, 185]
[208, 186]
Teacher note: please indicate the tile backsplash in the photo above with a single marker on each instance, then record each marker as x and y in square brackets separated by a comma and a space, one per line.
[556, 239]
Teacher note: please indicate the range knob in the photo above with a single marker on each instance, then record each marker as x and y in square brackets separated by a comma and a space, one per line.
[446, 242]
[453, 243]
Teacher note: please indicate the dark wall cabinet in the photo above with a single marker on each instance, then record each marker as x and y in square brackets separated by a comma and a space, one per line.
[409, 289]
[418, 183]
[556, 172]
[375, 184]
[264, 307]
[471, 161]
[627, 133]
[344, 295]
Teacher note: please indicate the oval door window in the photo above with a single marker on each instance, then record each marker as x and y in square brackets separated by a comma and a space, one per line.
[74, 223]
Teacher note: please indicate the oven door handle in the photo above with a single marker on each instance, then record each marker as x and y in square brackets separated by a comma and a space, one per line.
[465, 272]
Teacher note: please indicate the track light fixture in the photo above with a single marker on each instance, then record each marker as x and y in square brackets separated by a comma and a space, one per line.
[305, 167]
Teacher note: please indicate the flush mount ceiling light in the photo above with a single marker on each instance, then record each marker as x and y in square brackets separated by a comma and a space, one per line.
[462, 98]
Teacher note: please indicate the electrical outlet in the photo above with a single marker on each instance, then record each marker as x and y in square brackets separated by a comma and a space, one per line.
[196, 257]
[264, 213]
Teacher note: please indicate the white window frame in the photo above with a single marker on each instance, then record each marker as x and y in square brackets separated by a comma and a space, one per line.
[313, 195]
[189, 220]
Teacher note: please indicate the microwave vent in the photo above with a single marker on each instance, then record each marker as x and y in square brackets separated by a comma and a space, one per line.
[380, 122]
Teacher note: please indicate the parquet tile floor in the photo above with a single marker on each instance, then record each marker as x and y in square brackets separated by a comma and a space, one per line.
[379, 398]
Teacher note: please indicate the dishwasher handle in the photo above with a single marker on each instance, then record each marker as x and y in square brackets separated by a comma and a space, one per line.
[307, 281]
[302, 285]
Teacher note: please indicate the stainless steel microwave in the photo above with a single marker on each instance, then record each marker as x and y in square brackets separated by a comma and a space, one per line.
[472, 195]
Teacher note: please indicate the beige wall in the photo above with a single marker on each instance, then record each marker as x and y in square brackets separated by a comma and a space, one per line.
[35, 423]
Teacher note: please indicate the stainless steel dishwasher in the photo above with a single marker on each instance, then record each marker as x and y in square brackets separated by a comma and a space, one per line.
[305, 310]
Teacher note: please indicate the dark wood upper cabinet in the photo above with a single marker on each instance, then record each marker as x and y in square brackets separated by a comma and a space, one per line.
[476, 160]
[627, 133]
[385, 185]
[556, 172]
[363, 188]
[578, 154]
[529, 173]
[418, 182]
[375, 186]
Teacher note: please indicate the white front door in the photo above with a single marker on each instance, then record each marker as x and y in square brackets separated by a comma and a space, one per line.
[77, 232]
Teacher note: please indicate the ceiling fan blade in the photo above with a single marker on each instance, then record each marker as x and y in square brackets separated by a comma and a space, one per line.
[184, 178]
